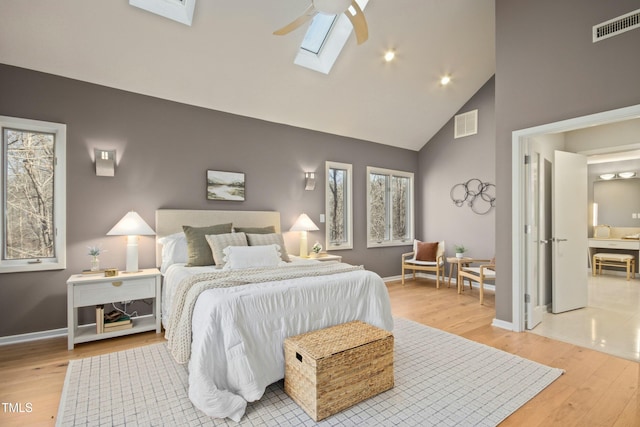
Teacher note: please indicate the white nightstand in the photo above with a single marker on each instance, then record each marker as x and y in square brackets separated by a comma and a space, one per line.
[323, 257]
[93, 289]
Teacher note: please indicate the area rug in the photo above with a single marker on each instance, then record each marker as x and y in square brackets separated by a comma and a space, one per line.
[440, 379]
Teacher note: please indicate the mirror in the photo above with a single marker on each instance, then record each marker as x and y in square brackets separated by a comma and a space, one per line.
[617, 200]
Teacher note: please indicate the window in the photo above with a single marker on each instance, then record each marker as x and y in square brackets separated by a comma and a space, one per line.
[338, 204]
[324, 41]
[389, 207]
[33, 195]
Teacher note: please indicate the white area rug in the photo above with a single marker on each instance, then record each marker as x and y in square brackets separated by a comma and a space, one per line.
[440, 379]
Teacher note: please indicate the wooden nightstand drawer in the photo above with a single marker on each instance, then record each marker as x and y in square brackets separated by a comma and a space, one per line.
[114, 290]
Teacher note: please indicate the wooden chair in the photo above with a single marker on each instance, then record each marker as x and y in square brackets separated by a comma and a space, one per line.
[485, 271]
[410, 263]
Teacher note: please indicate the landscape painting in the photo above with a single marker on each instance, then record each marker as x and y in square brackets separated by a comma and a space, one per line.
[225, 185]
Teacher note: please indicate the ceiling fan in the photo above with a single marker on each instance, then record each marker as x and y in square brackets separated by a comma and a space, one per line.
[332, 7]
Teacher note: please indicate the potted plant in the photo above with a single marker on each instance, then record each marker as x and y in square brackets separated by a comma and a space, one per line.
[460, 250]
[94, 252]
[316, 249]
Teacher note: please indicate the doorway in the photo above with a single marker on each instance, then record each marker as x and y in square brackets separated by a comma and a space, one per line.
[523, 254]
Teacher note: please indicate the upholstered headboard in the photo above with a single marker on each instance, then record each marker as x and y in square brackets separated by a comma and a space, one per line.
[170, 221]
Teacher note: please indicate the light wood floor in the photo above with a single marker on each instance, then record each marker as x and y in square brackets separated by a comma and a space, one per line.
[596, 390]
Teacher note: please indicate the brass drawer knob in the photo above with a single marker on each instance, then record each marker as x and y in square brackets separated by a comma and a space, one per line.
[116, 284]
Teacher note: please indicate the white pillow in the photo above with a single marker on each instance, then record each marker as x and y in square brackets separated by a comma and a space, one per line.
[237, 257]
[174, 250]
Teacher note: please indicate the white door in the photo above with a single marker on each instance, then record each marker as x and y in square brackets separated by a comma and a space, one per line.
[569, 225]
[533, 307]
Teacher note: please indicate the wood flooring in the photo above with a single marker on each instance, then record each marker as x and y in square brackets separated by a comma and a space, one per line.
[596, 389]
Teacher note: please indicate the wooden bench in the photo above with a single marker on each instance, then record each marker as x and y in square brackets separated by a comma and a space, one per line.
[614, 260]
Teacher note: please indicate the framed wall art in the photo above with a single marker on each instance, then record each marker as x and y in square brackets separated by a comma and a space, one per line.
[225, 185]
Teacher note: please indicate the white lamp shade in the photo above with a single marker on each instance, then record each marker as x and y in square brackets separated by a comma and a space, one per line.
[131, 224]
[304, 223]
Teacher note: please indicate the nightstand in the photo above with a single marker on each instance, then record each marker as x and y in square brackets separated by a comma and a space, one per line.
[85, 290]
[321, 257]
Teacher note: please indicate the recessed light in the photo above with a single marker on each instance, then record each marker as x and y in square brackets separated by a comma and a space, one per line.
[445, 80]
[389, 55]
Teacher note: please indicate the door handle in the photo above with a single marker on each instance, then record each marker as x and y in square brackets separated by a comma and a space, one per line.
[560, 240]
[544, 241]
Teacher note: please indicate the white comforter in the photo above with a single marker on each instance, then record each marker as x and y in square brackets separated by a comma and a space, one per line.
[238, 332]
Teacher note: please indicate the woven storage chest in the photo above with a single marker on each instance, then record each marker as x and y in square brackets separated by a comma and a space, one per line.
[330, 369]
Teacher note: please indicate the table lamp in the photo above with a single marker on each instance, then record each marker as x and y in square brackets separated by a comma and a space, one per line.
[304, 224]
[132, 226]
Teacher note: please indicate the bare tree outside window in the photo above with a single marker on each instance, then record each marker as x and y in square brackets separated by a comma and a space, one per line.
[390, 207]
[33, 199]
[337, 194]
[377, 208]
[338, 206]
[28, 192]
[399, 205]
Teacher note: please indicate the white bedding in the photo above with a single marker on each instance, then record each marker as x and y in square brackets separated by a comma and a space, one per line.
[238, 332]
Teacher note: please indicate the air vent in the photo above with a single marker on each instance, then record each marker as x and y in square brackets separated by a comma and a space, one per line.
[466, 124]
[616, 26]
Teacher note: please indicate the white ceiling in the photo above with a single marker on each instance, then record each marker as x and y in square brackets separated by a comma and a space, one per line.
[228, 60]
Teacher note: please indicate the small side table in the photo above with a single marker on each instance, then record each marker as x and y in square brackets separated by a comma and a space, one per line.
[457, 262]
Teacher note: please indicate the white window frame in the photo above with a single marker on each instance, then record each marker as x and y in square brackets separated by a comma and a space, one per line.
[349, 206]
[411, 235]
[58, 262]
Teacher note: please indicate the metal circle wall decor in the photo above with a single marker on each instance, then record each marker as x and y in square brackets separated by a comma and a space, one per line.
[479, 196]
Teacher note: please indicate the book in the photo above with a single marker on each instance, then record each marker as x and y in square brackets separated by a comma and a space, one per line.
[108, 325]
[99, 319]
[119, 327]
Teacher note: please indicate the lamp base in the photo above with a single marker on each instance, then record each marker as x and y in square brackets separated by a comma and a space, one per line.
[303, 245]
[132, 254]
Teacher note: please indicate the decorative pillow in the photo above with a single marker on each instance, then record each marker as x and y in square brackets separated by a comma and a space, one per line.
[255, 230]
[199, 252]
[425, 251]
[174, 250]
[217, 243]
[269, 239]
[237, 257]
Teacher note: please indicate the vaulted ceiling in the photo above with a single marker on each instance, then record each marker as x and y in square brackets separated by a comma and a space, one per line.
[228, 60]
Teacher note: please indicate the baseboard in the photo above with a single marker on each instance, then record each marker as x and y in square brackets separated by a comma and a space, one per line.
[33, 336]
[502, 324]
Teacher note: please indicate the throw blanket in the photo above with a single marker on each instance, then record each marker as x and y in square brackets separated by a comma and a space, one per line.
[179, 332]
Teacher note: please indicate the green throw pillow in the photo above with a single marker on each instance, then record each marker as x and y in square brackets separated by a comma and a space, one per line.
[198, 250]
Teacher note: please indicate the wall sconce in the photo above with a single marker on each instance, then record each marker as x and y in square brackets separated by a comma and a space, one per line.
[105, 162]
[309, 181]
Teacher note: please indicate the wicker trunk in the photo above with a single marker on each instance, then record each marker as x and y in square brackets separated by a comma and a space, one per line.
[332, 369]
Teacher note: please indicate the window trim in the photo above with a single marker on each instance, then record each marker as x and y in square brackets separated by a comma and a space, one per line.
[58, 262]
[349, 205]
[391, 173]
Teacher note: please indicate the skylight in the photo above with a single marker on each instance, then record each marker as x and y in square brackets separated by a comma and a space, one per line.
[317, 33]
[324, 40]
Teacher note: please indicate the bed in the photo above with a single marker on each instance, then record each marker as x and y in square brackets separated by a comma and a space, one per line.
[229, 322]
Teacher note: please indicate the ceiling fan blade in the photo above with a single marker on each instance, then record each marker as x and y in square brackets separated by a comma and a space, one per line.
[305, 17]
[359, 23]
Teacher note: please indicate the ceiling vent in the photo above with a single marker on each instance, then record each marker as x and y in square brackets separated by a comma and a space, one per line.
[466, 124]
[616, 26]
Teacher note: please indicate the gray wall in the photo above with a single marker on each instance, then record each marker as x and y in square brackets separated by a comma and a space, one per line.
[164, 149]
[548, 69]
[445, 162]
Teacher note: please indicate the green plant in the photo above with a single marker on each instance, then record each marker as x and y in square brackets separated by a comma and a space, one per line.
[460, 249]
[95, 250]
